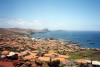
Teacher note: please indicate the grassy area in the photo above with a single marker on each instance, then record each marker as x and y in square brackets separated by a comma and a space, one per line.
[74, 56]
[83, 54]
[88, 53]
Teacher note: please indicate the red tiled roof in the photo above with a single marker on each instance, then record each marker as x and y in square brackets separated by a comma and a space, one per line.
[6, 64]
[5, 52]
[44, 58]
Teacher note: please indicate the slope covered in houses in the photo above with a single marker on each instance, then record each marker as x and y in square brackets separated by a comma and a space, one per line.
[21, 50]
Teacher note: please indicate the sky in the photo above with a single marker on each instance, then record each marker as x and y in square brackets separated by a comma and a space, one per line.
[81, 15]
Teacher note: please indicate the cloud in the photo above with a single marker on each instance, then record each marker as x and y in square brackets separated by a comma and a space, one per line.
[38, 24]
[34, 24]
[20, 23]
[36, 21]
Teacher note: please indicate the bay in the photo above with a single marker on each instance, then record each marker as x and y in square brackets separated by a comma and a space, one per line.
[87, 39]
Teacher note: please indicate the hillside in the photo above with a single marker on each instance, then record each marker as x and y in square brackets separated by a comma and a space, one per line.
[26, 51]
[21, 30]
[5, 31]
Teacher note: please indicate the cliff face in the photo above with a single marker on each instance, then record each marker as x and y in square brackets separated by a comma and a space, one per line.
[21, 30]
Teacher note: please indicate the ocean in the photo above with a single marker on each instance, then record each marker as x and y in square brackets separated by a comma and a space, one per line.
[87, 39]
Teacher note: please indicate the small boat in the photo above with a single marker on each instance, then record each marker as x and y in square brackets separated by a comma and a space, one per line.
[91, 43]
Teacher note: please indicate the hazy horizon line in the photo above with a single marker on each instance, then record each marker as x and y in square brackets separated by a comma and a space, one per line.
[50, 29]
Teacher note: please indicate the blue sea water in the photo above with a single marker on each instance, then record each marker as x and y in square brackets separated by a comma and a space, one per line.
[87, 39]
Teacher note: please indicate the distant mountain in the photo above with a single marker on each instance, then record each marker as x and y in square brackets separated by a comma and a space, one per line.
[45, 30]
[25, 31]
[5, 31]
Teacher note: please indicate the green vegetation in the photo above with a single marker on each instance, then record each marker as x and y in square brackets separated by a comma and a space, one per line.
[82, 54]
[74, 56]
[88, 53]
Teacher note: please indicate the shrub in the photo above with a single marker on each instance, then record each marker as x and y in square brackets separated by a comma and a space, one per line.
[55, 63]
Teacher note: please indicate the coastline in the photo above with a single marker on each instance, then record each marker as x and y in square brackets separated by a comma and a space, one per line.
[68, 42]
[43, 50]
[84, 39]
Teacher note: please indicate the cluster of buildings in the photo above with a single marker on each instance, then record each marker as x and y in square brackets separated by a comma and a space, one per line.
[44, 49]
